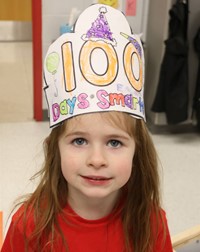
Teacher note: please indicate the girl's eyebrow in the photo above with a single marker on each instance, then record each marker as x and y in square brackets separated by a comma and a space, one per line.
[110, 136]
[76, 133]
[118, 136]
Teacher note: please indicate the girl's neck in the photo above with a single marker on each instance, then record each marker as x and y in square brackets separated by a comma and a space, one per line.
[93, 209]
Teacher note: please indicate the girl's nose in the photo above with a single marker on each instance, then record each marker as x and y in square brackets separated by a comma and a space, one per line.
[97, 158]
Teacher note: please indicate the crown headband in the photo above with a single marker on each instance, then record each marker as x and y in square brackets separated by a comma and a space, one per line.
[98, 67]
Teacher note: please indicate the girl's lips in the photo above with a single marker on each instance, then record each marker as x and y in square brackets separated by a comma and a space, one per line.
[95, 177]
[96, 180]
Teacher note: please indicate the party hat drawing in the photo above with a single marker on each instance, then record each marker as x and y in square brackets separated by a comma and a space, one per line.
[100, 29]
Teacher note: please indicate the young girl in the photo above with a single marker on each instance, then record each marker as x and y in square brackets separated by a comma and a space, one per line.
[99, 188]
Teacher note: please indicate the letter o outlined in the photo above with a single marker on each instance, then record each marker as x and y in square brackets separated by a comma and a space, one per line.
[86, 66]
[129, 51]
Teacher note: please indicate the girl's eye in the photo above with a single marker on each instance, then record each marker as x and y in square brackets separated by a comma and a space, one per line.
[79, 141]
[114, 143]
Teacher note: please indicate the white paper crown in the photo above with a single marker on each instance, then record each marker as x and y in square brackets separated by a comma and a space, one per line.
[98, 67]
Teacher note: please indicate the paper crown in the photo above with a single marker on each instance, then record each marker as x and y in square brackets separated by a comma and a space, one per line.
[98, 67]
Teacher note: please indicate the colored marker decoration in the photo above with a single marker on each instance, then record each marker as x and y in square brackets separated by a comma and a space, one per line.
[52, 62]
[100, 29]
[134, 42]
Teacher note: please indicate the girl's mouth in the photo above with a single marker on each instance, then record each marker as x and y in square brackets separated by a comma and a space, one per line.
[96, 180]
[95, 177]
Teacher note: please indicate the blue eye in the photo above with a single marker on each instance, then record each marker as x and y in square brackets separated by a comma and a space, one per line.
[79, 141]
[114, 143]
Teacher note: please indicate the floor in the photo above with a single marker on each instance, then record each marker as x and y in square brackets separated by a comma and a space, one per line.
[21, 146]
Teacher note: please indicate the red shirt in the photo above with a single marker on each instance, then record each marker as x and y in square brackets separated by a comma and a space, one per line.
[103, 235]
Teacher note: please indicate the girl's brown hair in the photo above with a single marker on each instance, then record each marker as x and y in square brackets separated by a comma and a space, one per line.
[142, 189]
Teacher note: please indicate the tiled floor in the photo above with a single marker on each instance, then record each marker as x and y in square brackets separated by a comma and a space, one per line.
[21, 146]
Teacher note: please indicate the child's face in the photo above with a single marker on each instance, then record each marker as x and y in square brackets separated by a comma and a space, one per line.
[96, 157]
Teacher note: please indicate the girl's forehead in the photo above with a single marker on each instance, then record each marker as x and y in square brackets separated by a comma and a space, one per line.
[107, 117]
[116, 120]
[86, 120]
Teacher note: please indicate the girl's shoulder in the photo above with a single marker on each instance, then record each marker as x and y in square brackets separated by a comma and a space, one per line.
[20, 229]
[159, 224]
[159, 216]
[23, 210]
[163, 217]
[23, 219]
[18, 213]
[161, 232]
